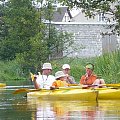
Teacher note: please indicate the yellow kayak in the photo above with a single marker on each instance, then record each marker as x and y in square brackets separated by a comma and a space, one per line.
[2, 85]
[76, 94]
[65, 94]
[108, 94]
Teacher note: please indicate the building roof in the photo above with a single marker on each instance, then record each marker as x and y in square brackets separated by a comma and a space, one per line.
[59, 14]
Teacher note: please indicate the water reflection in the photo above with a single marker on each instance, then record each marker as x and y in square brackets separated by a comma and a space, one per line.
[61, 109]
[68, 110]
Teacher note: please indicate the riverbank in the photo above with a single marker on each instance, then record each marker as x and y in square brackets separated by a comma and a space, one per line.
[107, 66]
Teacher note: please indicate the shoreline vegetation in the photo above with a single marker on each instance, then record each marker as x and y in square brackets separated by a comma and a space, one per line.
[107, 67]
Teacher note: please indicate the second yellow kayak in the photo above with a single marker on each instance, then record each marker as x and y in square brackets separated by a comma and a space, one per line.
[108, 94]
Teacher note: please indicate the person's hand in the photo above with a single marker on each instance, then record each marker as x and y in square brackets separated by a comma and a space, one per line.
[52, 87]
[33, 76]
[67, 75]
[84, 86]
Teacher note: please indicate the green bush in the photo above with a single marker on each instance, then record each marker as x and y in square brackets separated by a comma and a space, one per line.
[10, 70]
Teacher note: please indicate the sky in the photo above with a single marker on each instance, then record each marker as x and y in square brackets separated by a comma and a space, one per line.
[74, 12]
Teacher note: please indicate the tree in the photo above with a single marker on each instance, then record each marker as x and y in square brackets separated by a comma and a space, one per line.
[44, 49]
[28, 39]
[21, 20]
[91, 8]
[47, 44]
[2, 26]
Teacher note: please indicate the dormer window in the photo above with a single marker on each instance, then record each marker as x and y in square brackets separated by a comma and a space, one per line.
[101, 17]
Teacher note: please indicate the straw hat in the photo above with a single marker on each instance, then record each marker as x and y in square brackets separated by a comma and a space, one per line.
[59, 74]
[65, 66]
[47, 66]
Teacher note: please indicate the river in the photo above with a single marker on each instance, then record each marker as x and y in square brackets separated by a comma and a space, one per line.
[18, 107]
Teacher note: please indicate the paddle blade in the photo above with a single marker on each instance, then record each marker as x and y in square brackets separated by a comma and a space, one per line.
[32, 76]
[22, 90]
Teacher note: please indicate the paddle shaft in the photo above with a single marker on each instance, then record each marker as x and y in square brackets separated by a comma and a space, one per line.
[75, 86]
[26, 90]
[107, 85]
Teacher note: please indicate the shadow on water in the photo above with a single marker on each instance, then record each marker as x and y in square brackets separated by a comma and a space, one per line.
[18, 107]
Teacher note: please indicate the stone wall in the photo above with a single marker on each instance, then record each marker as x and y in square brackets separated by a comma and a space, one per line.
[87, 38]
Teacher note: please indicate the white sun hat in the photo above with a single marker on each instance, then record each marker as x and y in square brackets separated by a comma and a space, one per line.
[47, 66]
[59, 74]
[65, 66]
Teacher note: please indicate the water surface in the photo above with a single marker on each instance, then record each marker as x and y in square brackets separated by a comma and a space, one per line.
[18, 107]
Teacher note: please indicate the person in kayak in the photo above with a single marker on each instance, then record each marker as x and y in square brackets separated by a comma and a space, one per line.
[60, 80]
[69, 79]
[44, 80]
[90, 79]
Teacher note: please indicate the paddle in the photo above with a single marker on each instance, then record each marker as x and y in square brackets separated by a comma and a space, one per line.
[22, 90]
[26, 90]
[72, 86]
[32, 76]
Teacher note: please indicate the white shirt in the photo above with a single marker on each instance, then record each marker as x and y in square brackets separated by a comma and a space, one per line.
[45, 81]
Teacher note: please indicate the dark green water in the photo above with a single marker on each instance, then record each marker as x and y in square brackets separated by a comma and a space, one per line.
[17, 107]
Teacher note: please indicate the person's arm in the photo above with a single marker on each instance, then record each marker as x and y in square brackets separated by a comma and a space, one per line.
[36, 85]
[81, 83]
[54, 84]
[71, 80]
[82, 79]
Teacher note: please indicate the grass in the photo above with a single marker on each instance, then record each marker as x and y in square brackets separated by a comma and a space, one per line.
[109, 66]
[10, 70]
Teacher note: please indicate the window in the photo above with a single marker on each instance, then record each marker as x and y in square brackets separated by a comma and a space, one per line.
[101, 17]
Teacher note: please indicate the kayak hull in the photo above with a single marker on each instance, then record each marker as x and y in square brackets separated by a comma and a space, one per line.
[65, 94]
[76, 94]
[109, 94]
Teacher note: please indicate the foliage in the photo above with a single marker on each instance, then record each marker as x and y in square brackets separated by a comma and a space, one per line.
[43, 49]
[37, 53]
[21, 20]
[3, 31]
[10, 70]
[28, 39]
[111, 9]
[108, 66]
[76, 64]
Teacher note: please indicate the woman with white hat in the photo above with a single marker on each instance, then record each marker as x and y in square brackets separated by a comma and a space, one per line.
[60, 80]
[44, 80]
[69, 79]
